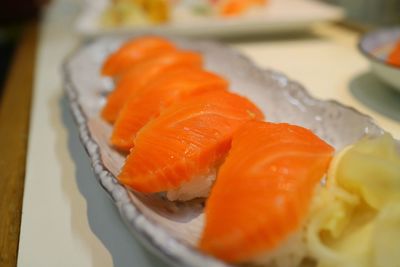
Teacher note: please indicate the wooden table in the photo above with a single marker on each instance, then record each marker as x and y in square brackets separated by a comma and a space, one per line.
[15, 106]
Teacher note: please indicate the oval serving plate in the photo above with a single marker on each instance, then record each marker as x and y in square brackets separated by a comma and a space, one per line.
[172, 228]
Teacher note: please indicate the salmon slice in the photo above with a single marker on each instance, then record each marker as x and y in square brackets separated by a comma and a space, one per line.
[237, 7]
[187, 140]
[263, 189]
[159, 94]
[142, 73]
[133, 52]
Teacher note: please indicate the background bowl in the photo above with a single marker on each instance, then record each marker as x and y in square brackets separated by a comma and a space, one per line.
[376, 47]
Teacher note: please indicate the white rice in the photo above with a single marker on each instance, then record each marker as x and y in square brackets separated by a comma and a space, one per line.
[289, 253]
[198, 186]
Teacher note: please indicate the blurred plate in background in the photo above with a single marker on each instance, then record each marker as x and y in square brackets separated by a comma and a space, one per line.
[276, 16]
[376, 47]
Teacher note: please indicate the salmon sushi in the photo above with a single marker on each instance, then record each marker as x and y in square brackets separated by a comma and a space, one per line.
[133, 52]
[179, 151]
[143, 72]
[262, 194]
[159, 94]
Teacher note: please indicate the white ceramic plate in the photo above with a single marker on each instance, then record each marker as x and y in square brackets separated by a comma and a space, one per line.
[277, 16]
[172, 229]
[376, 46]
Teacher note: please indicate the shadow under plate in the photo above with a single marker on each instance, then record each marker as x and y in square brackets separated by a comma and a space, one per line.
[375, 94]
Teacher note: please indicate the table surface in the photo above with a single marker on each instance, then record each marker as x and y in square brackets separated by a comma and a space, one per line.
[67, 220]
[14, 122]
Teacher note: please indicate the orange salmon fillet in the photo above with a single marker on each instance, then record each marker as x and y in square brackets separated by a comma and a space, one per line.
[187, 139]
[263, 189]
[160, 93]
[394, 55]
[134, 51]
[237, 7]
[138, 76]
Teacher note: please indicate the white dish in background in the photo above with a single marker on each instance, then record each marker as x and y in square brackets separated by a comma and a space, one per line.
[376, 46]
[276, 16]
[172, 229]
